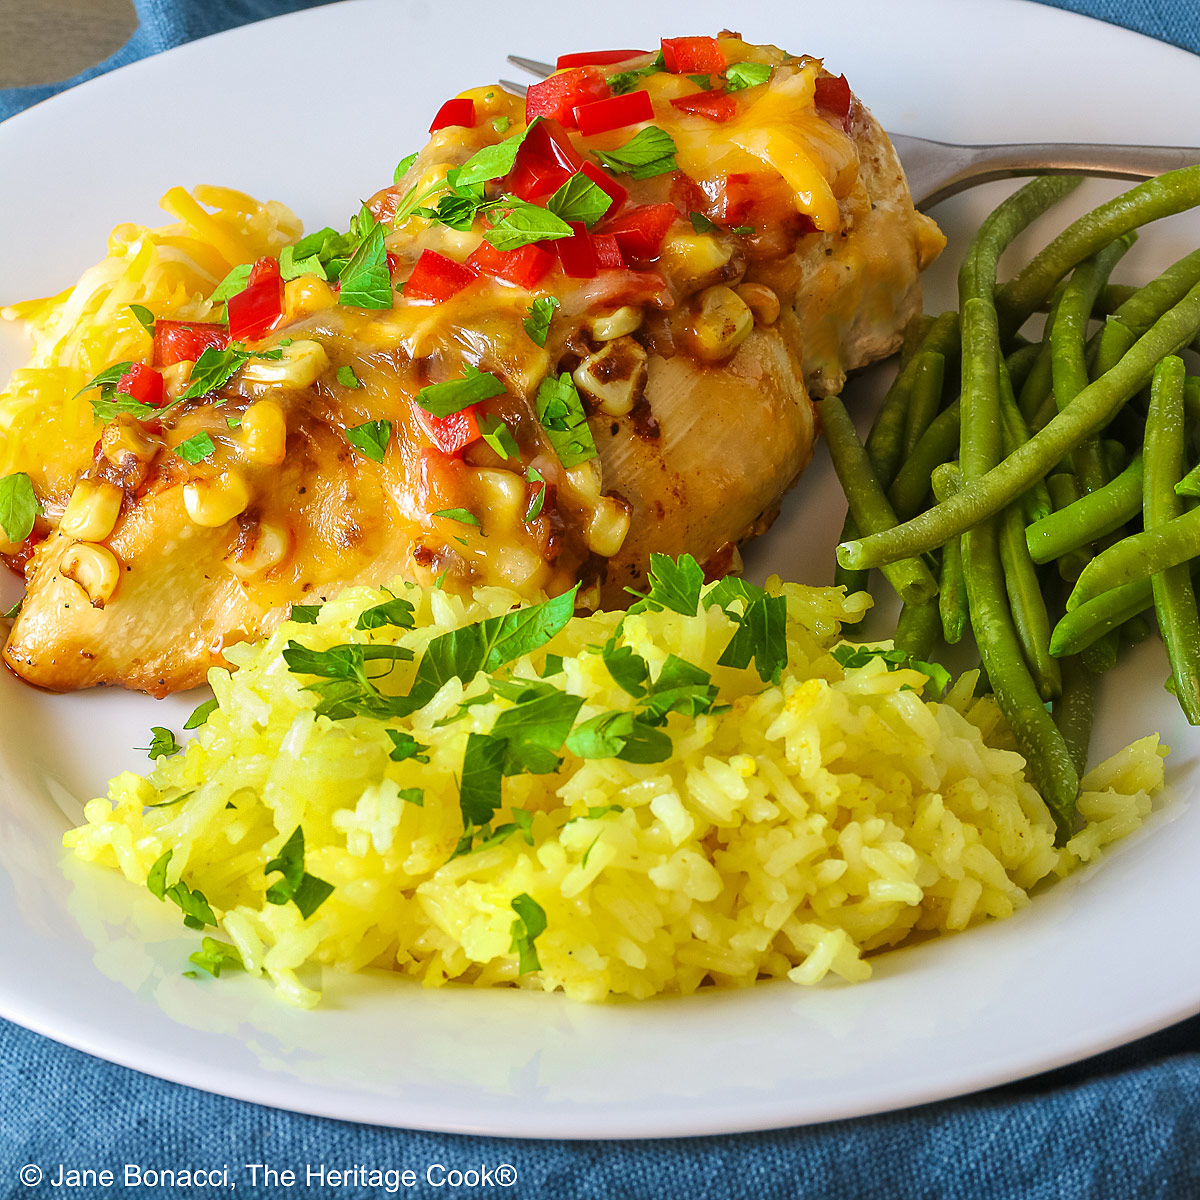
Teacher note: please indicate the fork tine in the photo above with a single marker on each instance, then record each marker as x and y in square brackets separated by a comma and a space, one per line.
[519, 88]
[540, 69]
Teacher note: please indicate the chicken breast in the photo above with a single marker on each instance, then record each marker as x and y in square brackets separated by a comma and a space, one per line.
[536, 411]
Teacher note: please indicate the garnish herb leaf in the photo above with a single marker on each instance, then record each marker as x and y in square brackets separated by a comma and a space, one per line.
[413, 795]
[347, 378]
[405, 746]
[370, 438]
[520, 223]
[649, 152]
[680, 687]
[233, 283]
[463, 515]
[537, 324]
[492, 161]
[106, 381]
[761, 637]
[579, 199]
[193, 904]
[538, 500]
[365, 280]
[213, 369]
[397, 611]
[145, 317]
[495, 432]
[304, 614]
[19, 506]
[626, 81]
[200, 714]
[196, 448]
[402, 167]
[162, 743]
[620, 735]
[526, 929]
[561, 414]
[745, 74]
[674, 584]
[215, 956]
[443, 399]
[552, 666]
[535, 727]
[630, 671]
[701, 224]
[479, 790]
[850, 656]
[306, 891]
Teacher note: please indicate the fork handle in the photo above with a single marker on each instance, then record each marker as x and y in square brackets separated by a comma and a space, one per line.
[937, 169]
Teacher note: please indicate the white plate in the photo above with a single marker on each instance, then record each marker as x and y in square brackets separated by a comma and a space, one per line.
[315, 109]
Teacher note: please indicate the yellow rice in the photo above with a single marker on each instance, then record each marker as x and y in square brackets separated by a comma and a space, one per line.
[813, 822]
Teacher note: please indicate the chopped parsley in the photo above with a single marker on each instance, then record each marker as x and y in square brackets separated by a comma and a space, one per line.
[162, 743]
[537, 324]
[145, 317]
[234, 282]
[526, 929]
[110, 403]
[304, 614]
[366, 281]
[200, 714]
[520, 223]
[402, 167]
[761, 638]
[850, 656]
[370, 439]
[196, 448]
[674, 584]
[579, 199]
[212, 369]
[215, 956]
[492, 162]
[538, 499]
[395, 611]
[745, 74]
[701, 224]
[19, 506]
[443, 399]
[305, 891]
[413, 795]
[405, 746]
[649, 152]
[462, 515]
[621, 735]
[561, 414]
[347, 378]
[192, 903]
[496, 433]
[627, 81]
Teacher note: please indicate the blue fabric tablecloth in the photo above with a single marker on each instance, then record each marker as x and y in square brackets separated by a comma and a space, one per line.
[1123, 1125]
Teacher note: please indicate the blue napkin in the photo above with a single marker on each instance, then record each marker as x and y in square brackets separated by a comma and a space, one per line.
[1124, 1125]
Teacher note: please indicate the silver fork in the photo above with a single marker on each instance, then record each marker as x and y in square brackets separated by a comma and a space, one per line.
[936, 170]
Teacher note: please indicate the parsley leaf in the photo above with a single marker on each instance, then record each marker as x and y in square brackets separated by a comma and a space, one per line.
[462, 515]
[396, 611]
[649, 152]
[561, 414]
[630, 671]
[701, 224]
[579, 199]
[495, 432]
[538, 499]
[370, 438]
[234, 282]
[725, 591]
[850, 656]
[304, 614]
[413, 795]
[537, 324]
[626, 81]
[620, 735]
[349, 691]
[200, 714]
[404, 746]
[534, 729]
[402, 167]
[215, 956]
[479, 789]
[674, 584]
[501, 124]
[492, 161]
[192, 903]
[366, 281]
[306, 891]
[745, 74]
[485, 646]
[106, 381]
[213, 369]
[162, 743]
[761, 636]
[145, 317]
[19, 506]
[526, 929]
[680, 687]
[347, 378]
[443, 399]
[552, 666]
[196, 448]
[521, 223]
[703, 82]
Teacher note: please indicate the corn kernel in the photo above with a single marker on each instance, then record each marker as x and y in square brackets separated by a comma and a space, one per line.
[212, 502]
[301, 365]
[264, 433]
[609, 526]
[271, 546]
[94, 568]
[693, 257]
[92, 510]
[617, 323]
[722, 322]
[307, 294]
[614, 376]
[502, 494]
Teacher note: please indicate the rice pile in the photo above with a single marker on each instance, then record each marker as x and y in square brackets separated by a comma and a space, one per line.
[808, 823]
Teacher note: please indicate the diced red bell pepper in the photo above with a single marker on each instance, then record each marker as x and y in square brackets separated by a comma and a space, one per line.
[756, 198]
[595, 58]
[451, 434]
[692, 56]
[561, 94]
[606, 183]
[392, 263]
[437, 278]
[144, 385]
[185, 341]
[617, 111]
[640, 231]
[256, 308]
[454, 112]
[524, 266]
[544, 162]
[608, 252]
[716, 106]
[833, 96]
[438, 480]
[577, 253]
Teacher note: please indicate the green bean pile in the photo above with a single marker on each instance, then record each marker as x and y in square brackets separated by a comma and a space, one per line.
[1046, 501]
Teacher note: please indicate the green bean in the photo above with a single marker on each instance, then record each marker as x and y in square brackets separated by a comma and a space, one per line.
[938, 444]
[1169, 193]
[1075, 708]
[1112, 296]
[1087, 518]
[1020, 363]
[1101, 655]
[917, 628]
[1091, 621]
[1189, 485]
[1191, 399]
[952, 587]
[868, 503]
[1039, 384]
[1035, 502]
[1116, 457]
[1149, 303]
[926, 397]
[1090, 411]
[1139, 556]
[915, 333]
[1174, 599]
[1114, 342]
[1030, 619]
[1136, 629]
